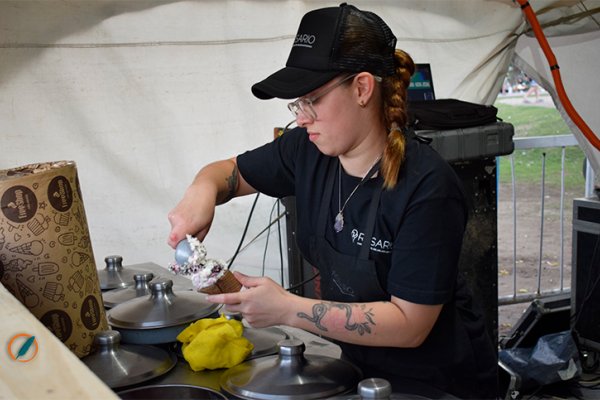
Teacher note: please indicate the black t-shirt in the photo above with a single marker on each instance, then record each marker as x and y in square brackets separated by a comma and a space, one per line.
[415, 245]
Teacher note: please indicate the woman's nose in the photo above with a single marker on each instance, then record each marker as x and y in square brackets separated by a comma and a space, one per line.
[302, 119]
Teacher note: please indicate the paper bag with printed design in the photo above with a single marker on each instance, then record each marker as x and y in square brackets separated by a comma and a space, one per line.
[46, 258]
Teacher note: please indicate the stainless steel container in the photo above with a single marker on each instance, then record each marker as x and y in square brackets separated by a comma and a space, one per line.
[114, 276]
[290, 375]
[120, 365]
[161, 316]
[174, 391]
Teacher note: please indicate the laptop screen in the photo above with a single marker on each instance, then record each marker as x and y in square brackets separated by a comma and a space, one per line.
[421, 84]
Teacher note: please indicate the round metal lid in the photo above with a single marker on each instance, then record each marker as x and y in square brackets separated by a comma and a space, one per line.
[114, 276]
[139, 288]
[119, 365]
[265, 340]
[374, 388]
[381, 389]
[171, 391]
[378, 388]
[290, 375]
[162, 308]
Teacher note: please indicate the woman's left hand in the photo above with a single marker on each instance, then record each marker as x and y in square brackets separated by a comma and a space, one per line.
[262, 302]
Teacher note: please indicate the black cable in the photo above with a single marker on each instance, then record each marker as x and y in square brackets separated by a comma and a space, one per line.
[296, 286]
[264, 260]
[244, 233]
[280, 241]
[304, 282]
[259, 234]
[285, 129]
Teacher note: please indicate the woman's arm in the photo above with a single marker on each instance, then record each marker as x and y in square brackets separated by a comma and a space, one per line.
[394, 323]
[215, 184]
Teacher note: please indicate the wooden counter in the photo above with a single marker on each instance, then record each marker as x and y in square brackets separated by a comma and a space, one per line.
[55, 373]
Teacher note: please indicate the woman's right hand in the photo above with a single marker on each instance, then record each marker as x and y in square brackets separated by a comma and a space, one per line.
[193, 215]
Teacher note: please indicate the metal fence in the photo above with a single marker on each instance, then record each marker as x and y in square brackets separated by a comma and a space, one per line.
[556, 141]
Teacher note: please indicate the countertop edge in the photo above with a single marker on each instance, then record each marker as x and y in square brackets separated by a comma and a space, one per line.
[55, 373]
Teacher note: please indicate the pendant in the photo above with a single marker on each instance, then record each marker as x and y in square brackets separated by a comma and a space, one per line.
[338, 225]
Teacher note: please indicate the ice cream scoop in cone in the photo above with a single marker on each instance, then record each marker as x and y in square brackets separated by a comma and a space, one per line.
[225, 284]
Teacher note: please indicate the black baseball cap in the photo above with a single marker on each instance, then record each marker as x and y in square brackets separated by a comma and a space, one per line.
[319, 52]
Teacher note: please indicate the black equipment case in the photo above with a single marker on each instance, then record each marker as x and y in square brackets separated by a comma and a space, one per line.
[542, 317]
[476, 142]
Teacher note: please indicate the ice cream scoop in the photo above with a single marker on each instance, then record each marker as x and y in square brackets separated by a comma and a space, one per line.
[183, 251]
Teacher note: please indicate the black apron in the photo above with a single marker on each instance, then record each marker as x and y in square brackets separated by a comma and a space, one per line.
[346, 278]
[358, 282]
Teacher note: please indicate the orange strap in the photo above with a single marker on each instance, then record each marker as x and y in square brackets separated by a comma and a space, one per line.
[555, 70]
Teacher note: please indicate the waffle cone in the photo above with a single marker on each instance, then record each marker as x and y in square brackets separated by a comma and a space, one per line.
[226, 284]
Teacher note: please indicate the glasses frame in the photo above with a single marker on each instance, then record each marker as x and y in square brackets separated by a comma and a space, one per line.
[304, 105]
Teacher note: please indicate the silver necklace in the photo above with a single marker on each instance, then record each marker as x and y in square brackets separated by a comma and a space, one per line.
[338, 224]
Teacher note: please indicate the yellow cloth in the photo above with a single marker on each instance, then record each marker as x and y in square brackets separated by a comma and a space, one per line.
[212, 343]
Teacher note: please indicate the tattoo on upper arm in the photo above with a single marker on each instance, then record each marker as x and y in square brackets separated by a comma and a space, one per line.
[320, 310]
[232, 184]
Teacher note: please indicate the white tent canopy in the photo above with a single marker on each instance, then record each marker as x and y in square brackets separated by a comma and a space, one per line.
[141, 94]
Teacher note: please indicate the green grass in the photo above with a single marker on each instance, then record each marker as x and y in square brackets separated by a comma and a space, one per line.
[540, 121]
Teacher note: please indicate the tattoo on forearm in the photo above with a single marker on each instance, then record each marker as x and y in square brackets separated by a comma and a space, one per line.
[232, 184]
[320, 310]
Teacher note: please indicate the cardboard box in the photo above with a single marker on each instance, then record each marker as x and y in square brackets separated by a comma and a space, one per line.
[46, 257]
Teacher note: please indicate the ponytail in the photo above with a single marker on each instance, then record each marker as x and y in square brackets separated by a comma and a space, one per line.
[394, 95]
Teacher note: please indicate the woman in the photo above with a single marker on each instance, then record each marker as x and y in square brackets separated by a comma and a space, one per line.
[380, 214]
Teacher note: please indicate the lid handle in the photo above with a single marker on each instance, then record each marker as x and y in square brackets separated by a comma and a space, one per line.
[114, 263]
[291, 353]
[141, 280]
[161, 288]
[374, 388]
[107, 340]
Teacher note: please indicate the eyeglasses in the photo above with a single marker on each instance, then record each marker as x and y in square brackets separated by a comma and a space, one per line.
[304, 105]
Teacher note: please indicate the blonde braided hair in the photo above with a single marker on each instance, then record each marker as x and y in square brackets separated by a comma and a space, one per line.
[394, 92]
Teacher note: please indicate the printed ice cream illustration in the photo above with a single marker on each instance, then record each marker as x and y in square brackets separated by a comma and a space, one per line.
[79, 258]
[38, 225]
[33, 248]
[17, 265]
[2, 238]
[67, 239]
[30, 299]
[46, 268]
[54, 291]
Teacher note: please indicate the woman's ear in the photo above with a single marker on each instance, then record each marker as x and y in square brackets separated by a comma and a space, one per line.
[365, 84]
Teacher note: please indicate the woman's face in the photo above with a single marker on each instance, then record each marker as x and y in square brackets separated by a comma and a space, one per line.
[337, 129]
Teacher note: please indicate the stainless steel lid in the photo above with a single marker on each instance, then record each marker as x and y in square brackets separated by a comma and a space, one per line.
[377, 388]
[139, 288]
[264, 340]
[119, 365]
[170, 392]
[374, 388]
[162, 308]
[290, 375]
[381, 389]
[114, 276]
